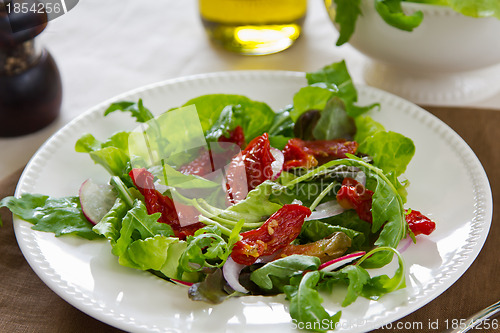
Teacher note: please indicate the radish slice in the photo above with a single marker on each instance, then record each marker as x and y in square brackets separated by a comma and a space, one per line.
[277, 164]
[96, 200]
[231, 271]
[341, 261]
[324, 210]
[184, 283]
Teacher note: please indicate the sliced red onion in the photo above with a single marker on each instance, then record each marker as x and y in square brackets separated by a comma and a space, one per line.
[231, 271]
[324, 210]
[184, 283]
[277, 164]
[405, 244]
[341, 261]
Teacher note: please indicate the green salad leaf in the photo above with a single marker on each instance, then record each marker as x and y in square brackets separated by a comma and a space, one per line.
[360, 283]
[346, 12]
[62, 216]
[112, 154]
[334, 122]
[349, 11]
[305, 302]
[392, 13]
[221, 112]
[387, 206]
[276, 274]
[137, 110]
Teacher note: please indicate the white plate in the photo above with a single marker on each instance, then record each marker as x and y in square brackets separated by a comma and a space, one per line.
[448, 183]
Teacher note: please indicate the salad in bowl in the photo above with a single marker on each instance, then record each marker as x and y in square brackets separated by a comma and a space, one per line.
[229, 198]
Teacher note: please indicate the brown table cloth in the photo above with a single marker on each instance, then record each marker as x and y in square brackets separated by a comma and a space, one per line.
[27, 305]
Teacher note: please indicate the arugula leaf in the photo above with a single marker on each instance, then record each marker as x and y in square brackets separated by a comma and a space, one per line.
[382, 284]
[315, 230]
[354, 276]
[205, 249]
[62, 216]
[305, 302]
[276, 274]
[387, 206]
[137, 110]
[359, 282]
[392, 13]
[347, 13]
[137, 224]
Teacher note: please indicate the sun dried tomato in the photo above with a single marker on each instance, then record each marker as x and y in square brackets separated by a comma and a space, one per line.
[200, 166]
[308, 154]
[158, 203]
[277, 232]
[235, 136]
[249, 169]
[353, 195]
[419, 223]
[211, 160]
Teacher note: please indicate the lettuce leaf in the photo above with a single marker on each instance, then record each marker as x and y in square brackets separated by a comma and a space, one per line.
[331, 80]
[391, 151]
[221, 112]
[112, 154]
[473, 8]
[334, 122]
[256, 207]
[62, 216]
[137, 110]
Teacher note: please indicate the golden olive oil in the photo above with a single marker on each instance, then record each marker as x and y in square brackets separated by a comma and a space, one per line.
[253, 27]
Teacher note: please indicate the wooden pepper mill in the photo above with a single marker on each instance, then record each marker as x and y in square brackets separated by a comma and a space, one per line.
[30, 83]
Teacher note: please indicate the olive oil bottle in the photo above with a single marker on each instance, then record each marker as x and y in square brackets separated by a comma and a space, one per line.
[253, 27]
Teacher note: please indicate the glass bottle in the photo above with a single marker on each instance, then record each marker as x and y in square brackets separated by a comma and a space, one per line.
[253, 27]
[30, 83]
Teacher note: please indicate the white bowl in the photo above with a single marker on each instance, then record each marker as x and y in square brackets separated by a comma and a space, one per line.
[446, 46]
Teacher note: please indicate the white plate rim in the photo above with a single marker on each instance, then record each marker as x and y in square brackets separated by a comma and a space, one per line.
[480, 223]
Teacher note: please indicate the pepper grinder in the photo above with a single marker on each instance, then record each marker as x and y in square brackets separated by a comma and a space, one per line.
[30, 83]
